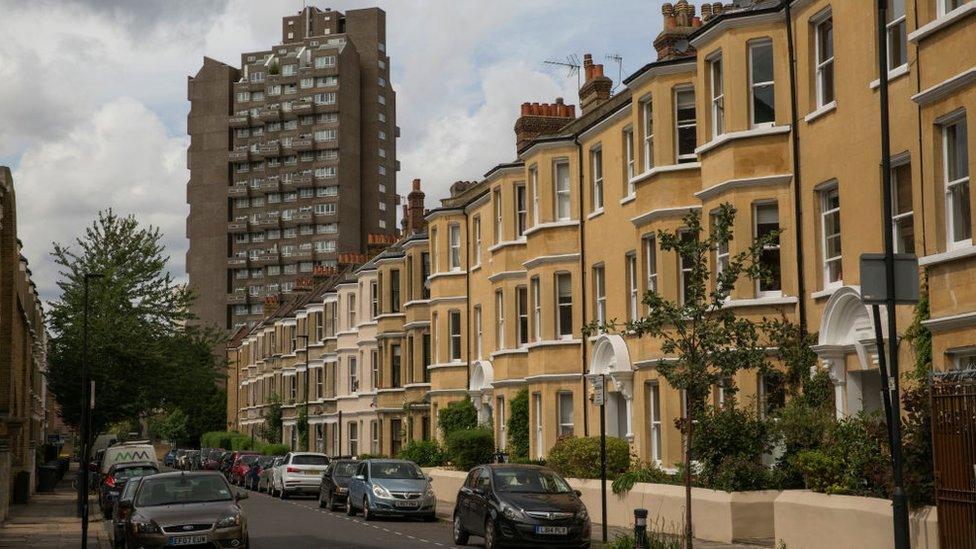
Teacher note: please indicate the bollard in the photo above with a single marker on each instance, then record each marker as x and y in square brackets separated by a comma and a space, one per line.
[640, 528]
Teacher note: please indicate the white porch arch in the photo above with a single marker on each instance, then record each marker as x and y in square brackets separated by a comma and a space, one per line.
[847, 328]
[480, 387]
[612, 358]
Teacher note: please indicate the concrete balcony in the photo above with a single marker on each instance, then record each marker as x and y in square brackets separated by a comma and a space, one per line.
[267, 258]
[302, 108]
[270, 113]
[237, 297]
[296, 180]
[237, 226]
[240, 121]
[321, 108]
[271, 148]
[236, 262]
[271, 185]
[238, 155]
[302, 144]
[298, 218]
[237, 190]
[326, 144]
[267, 223]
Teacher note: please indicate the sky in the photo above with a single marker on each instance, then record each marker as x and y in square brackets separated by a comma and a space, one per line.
[93, 98]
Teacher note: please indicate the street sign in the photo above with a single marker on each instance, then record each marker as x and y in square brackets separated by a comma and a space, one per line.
[599, 392]
[874, 287]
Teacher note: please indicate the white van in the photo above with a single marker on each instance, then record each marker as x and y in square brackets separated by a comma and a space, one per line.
[128, 452]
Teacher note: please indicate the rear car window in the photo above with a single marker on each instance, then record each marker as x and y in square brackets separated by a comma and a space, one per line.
[346, 469]
[309, 460]
[130, 472]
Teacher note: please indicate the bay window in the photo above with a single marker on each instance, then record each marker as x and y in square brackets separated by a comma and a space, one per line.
[955, 167]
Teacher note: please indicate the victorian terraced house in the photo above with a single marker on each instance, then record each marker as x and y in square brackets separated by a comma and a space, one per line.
[491, 295]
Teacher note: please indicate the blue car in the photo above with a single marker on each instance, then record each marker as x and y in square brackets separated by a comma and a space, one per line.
[391, 487]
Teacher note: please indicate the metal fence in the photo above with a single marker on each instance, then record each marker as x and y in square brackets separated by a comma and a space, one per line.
[954, 449]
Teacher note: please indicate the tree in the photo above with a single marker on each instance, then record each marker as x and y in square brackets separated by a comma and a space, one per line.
[457, 416]
[144, 359]
[272, 427]
[518, 426]
[705, 342]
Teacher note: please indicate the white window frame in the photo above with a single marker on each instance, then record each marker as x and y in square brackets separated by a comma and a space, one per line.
[721, 252]
[560, 305]
[647, 123]
[561, 191]
[536, 288]
[630, 160]
[499, 319]
[827, 261]
[679, 125]
[654, 421]
[633, 294]
[479, 332]
[534, 181]
[454, 246]
[682, 269]
[650, 262]
[477, 239]
[521, 214]
[563, 427]
[500, 410]
[945, 7]
[717, 92]
[537, 405]
[596, 179]
[897, 217]
[754, 45]
[454, 335]
[768, 247]
[499, 215]
[522, 315]
[374, 299]
[353, 365]
[824, 64]
[958, 121]
[896, 28]
[600, 292]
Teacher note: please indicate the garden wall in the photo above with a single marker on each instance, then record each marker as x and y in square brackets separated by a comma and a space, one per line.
[806, 519]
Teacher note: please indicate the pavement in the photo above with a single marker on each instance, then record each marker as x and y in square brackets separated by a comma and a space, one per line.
[49, 520]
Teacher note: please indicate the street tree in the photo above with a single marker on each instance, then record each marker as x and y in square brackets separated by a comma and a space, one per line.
[704, 342]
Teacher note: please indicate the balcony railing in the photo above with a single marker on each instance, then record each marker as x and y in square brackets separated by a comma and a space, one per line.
[270, 113]
[237, 226]
[302, 143]
[237, 261]
[271, 148]
[237, 297]
[239, 121]
[237, 190]
[301, 108]
[238, 155]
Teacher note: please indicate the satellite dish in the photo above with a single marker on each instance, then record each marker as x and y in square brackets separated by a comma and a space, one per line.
[682, 45]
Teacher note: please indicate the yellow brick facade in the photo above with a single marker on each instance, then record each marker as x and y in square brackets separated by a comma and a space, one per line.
[563, 234]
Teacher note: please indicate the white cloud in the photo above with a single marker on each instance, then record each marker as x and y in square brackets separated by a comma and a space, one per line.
[120, 157]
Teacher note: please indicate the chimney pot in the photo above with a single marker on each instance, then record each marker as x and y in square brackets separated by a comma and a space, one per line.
[559, 101]
[597, 71]
[416, 184]
[526, 108]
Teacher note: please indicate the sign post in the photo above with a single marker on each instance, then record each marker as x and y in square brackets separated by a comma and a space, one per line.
[600, 398]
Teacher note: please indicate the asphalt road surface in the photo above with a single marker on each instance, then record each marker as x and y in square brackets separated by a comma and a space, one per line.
[297, 523]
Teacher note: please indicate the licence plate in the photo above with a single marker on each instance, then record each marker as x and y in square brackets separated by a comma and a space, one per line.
[551, 530]
[407, 504]
[187, 540]
[314, 472]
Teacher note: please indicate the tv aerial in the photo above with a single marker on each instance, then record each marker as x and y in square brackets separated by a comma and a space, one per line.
[572, 65]
[619, 60]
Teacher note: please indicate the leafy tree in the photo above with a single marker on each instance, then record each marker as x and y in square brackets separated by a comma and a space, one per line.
[917, 402]
[709, 342]
[518, 426]
[271, 429]
[456, 416]
[302, 425]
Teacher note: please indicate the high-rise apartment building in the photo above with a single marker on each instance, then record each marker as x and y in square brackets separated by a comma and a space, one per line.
[292, 161]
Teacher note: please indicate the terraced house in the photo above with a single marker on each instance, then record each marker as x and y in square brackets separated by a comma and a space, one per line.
[564, 232]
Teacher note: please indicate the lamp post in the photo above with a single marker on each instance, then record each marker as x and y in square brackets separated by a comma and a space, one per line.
[86, 413]
[305, 388]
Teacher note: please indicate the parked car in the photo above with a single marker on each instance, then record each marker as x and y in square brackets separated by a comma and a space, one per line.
[115, 480]
[299, 472]
[266, 476]
[169, 460]
[523, 505]
[241, 465]
[335, 483]
[226, 462]
[120, 511]
[180, 508]
[128, 452]
[253, 474]
[392, 487]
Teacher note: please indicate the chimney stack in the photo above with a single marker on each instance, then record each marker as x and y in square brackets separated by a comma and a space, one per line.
[679, 22]
[541, 119]
[596, 88]
[414, 210]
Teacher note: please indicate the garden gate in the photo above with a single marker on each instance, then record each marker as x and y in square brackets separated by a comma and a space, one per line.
[954, 453]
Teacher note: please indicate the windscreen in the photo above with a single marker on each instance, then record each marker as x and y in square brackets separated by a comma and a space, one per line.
[130, 472]
[346, 469]
[395, 469]
[182, 489]
[531, 481]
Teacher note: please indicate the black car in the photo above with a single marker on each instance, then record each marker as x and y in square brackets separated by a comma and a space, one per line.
[253, 474]
[335, 483]
[113, 483]
[521, 505]
[120, 511]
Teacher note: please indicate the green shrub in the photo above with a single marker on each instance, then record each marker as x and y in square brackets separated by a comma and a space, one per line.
[853, 459]
[457, 416]
[580, 457]
[471, 447]
[425, 453]
[239, 442]
[225, 440]
[642, 472]
[369, 456]
[518, 426]
[275, 449]
[729, 444]
[800, 427]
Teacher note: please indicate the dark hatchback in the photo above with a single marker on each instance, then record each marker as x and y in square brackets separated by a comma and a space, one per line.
[520, 505]
[116, 479]
[335, 483]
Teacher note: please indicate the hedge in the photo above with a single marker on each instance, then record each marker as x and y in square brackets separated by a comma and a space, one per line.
[580, 457]
[470, 447]
[275, 449]
[425, 453]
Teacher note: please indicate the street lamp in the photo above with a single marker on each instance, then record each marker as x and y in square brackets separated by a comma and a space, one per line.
[86, 413]
[305, 389]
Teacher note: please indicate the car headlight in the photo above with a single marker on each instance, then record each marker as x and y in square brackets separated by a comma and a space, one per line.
[381, 492]
[144, 527]
[511, 513]
[583, 514]
[429, 493]
[228, 521]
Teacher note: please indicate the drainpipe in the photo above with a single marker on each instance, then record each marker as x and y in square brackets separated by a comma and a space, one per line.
[797, 194]
[582, 277]
[918, 113]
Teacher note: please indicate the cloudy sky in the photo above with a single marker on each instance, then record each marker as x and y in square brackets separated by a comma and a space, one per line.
[93, 93]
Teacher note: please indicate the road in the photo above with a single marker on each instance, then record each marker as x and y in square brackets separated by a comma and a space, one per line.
[299, 523]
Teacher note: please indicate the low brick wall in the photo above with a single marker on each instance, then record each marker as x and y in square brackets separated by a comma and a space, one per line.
[806, 519]
[718, 516]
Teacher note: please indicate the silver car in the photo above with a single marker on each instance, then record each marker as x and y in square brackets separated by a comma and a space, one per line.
[391, 487]
[299, 472]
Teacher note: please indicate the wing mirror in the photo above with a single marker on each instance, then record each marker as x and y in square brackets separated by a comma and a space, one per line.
[578, 493]
[360, 477]
[430, 479]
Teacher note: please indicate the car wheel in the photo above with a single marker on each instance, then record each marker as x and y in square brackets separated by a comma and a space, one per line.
[460, 534]
[490, 542]
[367, 515]
[321, 501]
[283, 494]
[350, 510]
